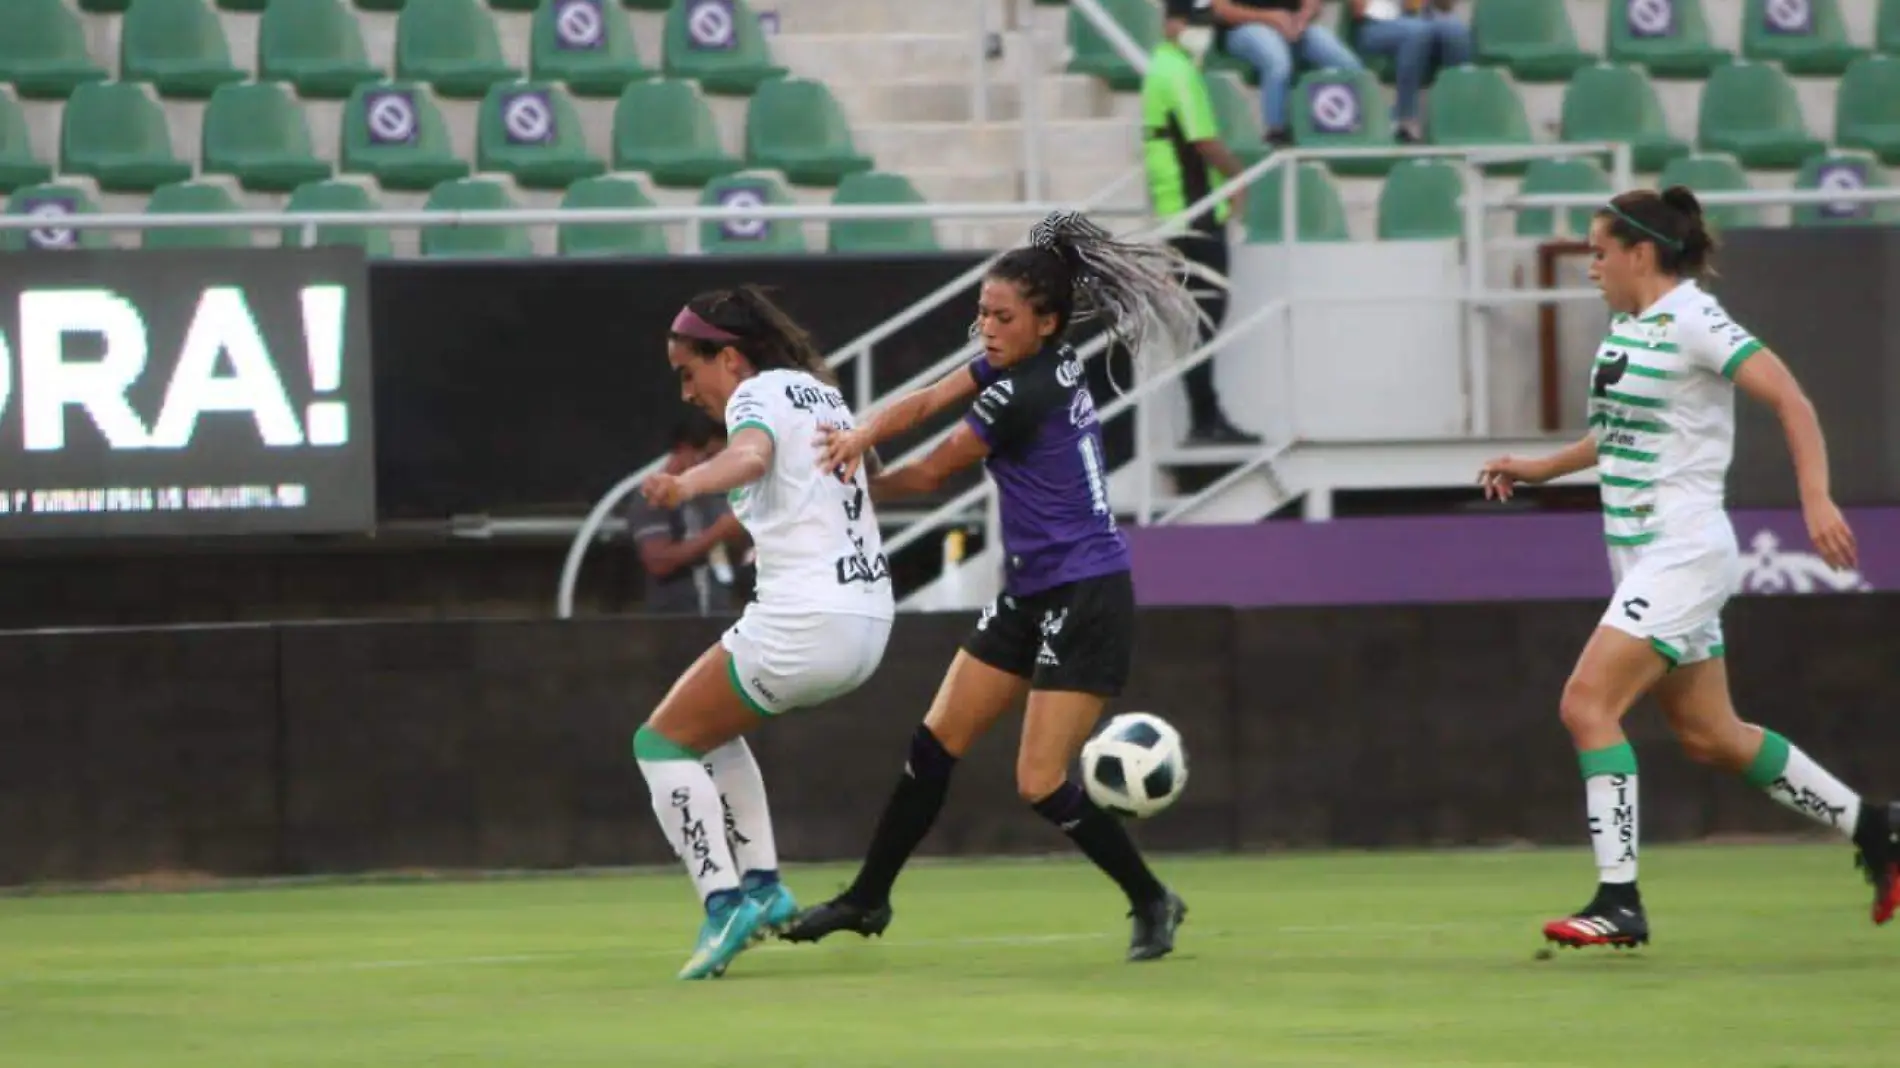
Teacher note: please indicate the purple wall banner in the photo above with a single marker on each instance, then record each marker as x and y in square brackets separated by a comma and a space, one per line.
[1439, 559]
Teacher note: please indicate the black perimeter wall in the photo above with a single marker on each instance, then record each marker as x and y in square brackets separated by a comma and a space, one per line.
[493, 744]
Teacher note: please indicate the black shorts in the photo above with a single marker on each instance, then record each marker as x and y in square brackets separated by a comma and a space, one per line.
[1079, 637]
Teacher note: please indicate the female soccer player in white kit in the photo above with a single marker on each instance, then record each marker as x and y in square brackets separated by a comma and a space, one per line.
[815, 632]
[1662, 431]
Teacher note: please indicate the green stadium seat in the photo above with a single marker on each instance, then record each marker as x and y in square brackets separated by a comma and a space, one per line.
[1576, 175]
[514, 5]
[662, 5]
[315, 45]
[748, 236]
[19, 164]
[383, 6]
[1808, 38]
[1320, 213]
[1713, 172]
[532, 131]
[43, 50]
[1474, 106]
[1668, 38]
[880, 235]
[587, 44]
[1343, 109]
[1847, 169]
[52, 200]
[795, 126]
[1867, 111]
[666, 129]
[1750, 111]
[257, 133]
[610, 239]
[394, 131]
[337, 195]
[718, 43]
[1887, 28]
[254, 7]
[453, 46]
[1535, 40]
[1094, 56]
[104, 7]
[1617, 102]
[115, 133]
[474, 194]
[1237, 113]
[1422, 201]
[178, 46]
[193, 198]
[1217, 61]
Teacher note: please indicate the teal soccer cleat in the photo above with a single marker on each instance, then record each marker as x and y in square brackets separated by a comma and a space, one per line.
[775, 899]
[728, 931]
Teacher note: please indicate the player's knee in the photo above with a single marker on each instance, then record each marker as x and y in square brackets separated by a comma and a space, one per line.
[1035, 780]
[1585, 708]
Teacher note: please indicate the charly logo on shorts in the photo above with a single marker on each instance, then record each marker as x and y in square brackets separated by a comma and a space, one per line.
[1766, 569]
[579, 25]
[49, 237]
[1334, 107]
[1842, 176]
[743, 229]
[527, 117]
[711, 26]
[390, 116]
[1651, 18]
[1793, 18]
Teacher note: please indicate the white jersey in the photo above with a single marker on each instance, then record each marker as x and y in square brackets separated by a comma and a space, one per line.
[819, 548]
[1662, 407]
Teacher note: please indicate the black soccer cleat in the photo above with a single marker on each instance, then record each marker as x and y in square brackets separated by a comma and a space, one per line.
[836, 915]
[1155, 924]
[1600, 924]
[1877, 853]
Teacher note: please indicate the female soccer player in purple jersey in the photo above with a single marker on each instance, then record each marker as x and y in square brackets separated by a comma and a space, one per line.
[1062, 631]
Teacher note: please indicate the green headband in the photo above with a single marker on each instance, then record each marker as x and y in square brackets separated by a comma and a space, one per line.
[1674, 243]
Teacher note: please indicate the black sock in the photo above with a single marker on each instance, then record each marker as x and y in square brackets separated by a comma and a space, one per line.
[907, 817]
[1617, 895]
[1103, 840]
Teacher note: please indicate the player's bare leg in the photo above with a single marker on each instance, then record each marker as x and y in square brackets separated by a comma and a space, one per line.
[1614, 670]
[1697, 703]
[971, 699]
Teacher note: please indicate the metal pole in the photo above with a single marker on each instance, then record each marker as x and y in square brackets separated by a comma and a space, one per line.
[1477, 366]
[1032, 114]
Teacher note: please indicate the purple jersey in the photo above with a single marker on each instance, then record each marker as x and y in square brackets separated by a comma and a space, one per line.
[1046, 458]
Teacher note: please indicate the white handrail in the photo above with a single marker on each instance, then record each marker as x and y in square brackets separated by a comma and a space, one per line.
[1113, 33]
[1745, 197]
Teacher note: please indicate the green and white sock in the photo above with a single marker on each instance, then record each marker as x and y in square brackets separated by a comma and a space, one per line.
[748, 816]
[1794, 779]
[686, 803]
[1609, 788]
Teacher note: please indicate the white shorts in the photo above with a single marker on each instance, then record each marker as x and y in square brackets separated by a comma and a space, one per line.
[787, 660]
[1672, 593]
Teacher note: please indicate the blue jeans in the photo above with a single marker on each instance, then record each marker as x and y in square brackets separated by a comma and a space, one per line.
[1262, 48]
[1409, 42]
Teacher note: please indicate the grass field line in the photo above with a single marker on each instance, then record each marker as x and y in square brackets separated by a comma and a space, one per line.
[1002, 941]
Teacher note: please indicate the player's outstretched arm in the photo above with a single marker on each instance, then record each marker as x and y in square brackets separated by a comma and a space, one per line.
[1765, 378]
[1501, 476]
[745, 459]
[961, 449]
[842, 450]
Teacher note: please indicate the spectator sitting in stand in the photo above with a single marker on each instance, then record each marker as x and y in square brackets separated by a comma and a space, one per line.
[687, 551]
[1263, 34]
[1410, 31]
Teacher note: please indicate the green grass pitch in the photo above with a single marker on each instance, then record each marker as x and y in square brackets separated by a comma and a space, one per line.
[1764, 958]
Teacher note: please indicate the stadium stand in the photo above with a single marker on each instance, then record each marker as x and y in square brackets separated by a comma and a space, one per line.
[380, 102]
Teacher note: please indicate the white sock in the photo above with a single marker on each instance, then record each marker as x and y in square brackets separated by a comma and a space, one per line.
[1809, 789]
[1611, 801]
[748, 817]
[687, 805]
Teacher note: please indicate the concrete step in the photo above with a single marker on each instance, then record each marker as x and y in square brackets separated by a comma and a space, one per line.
[1058, 97]
[884, 16]
[1063, 145]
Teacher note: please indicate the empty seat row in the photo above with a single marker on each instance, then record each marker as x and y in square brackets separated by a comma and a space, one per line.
[1748, 109]
[488, 194]
[317, 46]
[1537, 42]
[115, 132]
[1422, 199]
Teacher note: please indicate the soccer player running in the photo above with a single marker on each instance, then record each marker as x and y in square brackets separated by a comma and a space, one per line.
[816, 629]
[1662, 430]
[1062, 631]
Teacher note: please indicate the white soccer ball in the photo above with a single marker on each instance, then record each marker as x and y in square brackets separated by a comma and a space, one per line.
[1135, 766]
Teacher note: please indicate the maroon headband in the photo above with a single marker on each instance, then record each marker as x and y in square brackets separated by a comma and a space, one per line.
[688, 324]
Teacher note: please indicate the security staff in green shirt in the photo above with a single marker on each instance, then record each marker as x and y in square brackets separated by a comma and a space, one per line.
[1185, 160]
